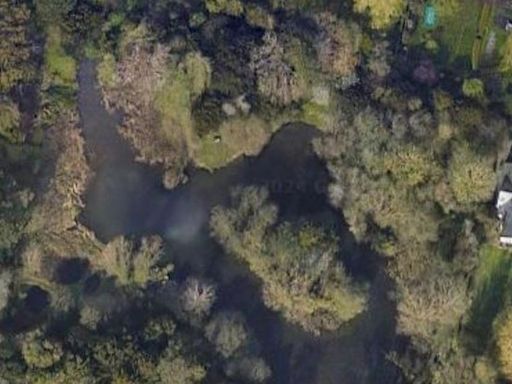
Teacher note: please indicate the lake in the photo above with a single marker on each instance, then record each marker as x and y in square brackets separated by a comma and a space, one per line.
[127, 198]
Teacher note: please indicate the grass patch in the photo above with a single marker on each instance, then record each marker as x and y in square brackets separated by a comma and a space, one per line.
[107, 71]
[9, 122]
[60, 67]
[173, 102]
[174, 98]
[315, 114]
[462, 31]
[492, 282]
[459, 29]
[235, 137]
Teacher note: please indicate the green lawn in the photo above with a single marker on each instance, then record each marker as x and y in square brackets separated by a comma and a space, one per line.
[462, 31]
[492, 284]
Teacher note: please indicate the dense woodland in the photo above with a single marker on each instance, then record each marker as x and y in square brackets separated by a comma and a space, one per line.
[413, 133]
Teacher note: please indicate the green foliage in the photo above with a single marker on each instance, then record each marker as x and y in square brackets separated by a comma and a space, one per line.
[276, 78]
[173, 99]
[69, 371]
[235, 137]
[6, 280]
[175, 369]
[471, 176]
[9, 122]
[338, 47]
[249, 368]
[506, 56]
[411, 166]
[231, 7]
[504, 344]
[227, 331]
[129, 265]
[40, 352]
[473, 88]
[59, 66]
[107, 72]
[315, 114]
[53, 11]
[302, 5]
[15, 48]
[301, 277]
[492, 284]
[382, 13]
[259, 17]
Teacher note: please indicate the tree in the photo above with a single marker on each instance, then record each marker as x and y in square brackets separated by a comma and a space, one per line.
[249, 368]
[227, 331]
[301, 276]
[71, 370]
[197, 297]
[130, 265]
[471, 175]
[231, 7]
[9, 122]
[275, 78]
[432, 305]
[173, 368]
[259, 17]
[39, 352]
[338, 45]
[411, 165]
[382, 13]
[15, 45]
[6, 279]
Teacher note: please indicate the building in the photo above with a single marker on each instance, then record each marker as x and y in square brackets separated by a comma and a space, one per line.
[504, 208]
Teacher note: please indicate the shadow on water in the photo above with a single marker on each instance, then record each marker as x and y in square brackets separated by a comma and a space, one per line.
[127, 198]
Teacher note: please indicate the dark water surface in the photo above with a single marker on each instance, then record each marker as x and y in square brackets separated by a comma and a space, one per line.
[127, 198]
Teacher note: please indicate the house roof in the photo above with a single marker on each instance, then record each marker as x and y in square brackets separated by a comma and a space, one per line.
[506, 186]
[507, 225]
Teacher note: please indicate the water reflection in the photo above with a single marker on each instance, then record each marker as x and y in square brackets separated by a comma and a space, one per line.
[127, 198]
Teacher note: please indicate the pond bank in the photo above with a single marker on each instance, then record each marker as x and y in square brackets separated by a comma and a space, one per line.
[127, 198]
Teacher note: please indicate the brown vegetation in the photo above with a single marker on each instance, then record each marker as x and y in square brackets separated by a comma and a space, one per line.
[62, 201]
[276, 79]
[15, 45]
[338, 45]
[139, 73]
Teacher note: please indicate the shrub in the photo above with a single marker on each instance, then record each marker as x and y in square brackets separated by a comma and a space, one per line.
[130, 265]
[276, 79]
[107, 71]
[259, 17]
[473, 88]
[16, 65]
[59, 66]
[227, 331]
[338, 46]
[9, 122]
[39, 352]
[382, 13]
[231, 7]
[175, 369]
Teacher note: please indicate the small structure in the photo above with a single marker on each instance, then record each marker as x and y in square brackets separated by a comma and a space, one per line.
[508, 26]
[504, 207]
[430, 16]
